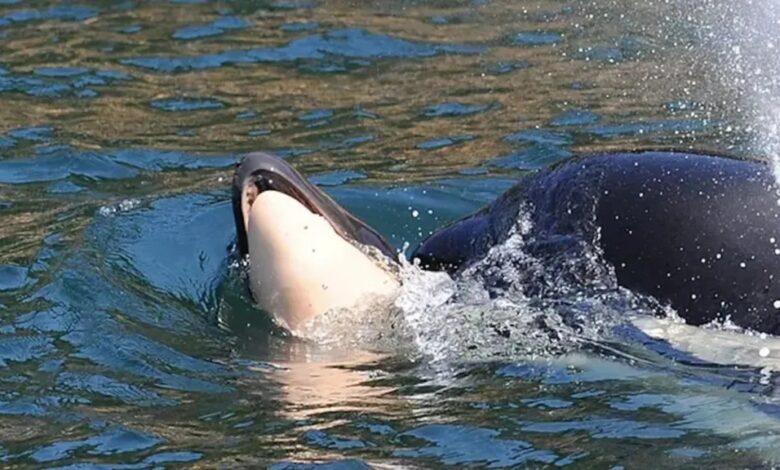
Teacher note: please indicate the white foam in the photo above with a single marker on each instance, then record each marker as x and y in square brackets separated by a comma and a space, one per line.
[122, 206]
[719, 344]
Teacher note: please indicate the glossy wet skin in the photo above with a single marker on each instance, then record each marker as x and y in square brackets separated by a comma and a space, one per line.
[307, 254]
[259, 172]
[699, 233]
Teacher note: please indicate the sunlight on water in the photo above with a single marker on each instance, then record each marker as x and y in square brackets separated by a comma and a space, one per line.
[128, 338]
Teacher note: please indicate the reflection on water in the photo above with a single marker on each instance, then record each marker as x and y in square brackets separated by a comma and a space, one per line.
[127, 340]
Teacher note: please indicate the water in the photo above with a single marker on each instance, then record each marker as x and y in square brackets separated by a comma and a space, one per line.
[127, 340]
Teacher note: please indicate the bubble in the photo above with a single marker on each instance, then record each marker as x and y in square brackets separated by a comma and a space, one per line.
[776, 304]
[122, 206]
[763, 352]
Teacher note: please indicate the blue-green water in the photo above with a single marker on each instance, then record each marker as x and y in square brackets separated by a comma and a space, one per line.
[128, 341]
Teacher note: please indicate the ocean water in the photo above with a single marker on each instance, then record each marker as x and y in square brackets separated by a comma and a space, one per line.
[127, 336]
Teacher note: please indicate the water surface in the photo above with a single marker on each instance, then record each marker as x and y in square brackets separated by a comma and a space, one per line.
[127, 340]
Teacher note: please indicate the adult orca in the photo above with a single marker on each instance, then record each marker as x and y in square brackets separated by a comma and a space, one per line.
[699, 233]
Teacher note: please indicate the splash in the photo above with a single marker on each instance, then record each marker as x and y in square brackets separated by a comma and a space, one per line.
[738, 66]
[493, 310]
[753, 65]
[122, 206]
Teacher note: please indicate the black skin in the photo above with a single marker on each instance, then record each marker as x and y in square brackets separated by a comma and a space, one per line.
[654, 215]
[696, 232]
[265, 172]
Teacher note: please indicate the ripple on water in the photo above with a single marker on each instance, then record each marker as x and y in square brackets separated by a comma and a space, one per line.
[540, 137]
[171, 244]
[24, 348]
[111, 441]
[536, 38]
[246, 115]
[12, 277]
[61, 12]
[455, 109]
[435, 144]
[503, 68]
[61, 162]
[57, 82]
[438, 202]
[316, 115]
[626, 48]
[345, 464]
[336, 178]
[60, 71]
[158, 160]
[532, 158]
[466, 445]
[326, 441]
[93, 335]
[6, 143]
[345, 43]
[608, 429]
[37, 134]
[575, 117]
[111, 388]
[131, 29]
[60, 165]
[217, 27]
[183, 104]
[292, 4]
[262, 132]
[298, 27]
[681, 126]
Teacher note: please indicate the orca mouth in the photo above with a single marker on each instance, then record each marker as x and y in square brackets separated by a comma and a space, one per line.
[259, 172]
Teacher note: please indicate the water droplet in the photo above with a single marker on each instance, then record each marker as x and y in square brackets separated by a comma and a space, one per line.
[763, 352]
[415, 213]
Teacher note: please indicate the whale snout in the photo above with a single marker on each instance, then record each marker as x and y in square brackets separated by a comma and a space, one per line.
[303, 246]
[259, 172]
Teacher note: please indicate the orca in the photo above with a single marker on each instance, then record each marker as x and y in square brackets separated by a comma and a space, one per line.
[307, 254]
[698, 233]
